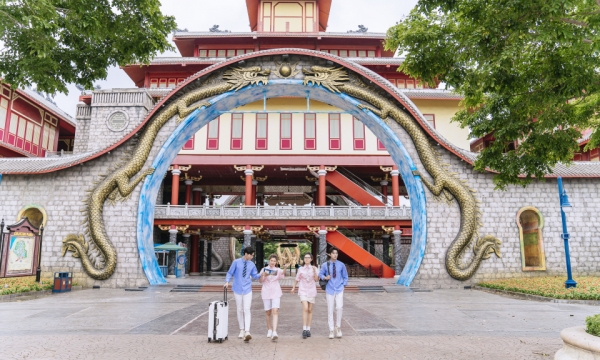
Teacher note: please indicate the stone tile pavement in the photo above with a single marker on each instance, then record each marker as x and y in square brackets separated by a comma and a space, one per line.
[156, 323]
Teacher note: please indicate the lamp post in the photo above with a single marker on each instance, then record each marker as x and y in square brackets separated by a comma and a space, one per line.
[565, 207]
[38, 272]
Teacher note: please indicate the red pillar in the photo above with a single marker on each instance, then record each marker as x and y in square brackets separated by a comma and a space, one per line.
[395, 185]
[249, 174]
[254, 186]
[188, 191]
[322, 184]
[175, 187]
[197, 196]
[384, 185]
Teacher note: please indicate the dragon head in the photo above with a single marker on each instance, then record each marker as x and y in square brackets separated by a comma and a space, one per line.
[240, 77]
[328, 77]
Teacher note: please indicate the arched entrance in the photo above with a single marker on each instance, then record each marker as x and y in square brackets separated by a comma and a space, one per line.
[279, 88]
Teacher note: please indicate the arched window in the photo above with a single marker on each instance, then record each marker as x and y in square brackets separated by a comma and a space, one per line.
[530, 223]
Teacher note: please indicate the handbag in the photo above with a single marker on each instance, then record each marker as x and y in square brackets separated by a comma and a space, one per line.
[323, 283]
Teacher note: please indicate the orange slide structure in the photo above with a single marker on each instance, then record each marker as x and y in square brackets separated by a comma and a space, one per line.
[358, 254]
[348, 187]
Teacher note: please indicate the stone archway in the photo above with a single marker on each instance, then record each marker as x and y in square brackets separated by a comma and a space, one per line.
[278, 88]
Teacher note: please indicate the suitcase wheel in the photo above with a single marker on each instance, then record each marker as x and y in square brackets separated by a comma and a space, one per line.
[208, 340]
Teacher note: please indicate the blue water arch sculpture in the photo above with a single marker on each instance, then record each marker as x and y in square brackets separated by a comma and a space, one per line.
[278, 88]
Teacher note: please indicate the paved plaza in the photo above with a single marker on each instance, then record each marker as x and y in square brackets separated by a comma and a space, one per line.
[159, 324]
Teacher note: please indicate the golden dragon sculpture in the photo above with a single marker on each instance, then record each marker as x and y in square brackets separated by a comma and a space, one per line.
[336, 79]
[123, 178]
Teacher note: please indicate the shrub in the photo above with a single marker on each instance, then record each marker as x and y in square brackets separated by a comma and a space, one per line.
[593, 325]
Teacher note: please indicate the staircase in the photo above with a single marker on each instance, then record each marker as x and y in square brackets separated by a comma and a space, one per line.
[360, 255]
[350, 188]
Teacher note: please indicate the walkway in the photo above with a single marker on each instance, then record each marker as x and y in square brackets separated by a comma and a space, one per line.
[158, 324]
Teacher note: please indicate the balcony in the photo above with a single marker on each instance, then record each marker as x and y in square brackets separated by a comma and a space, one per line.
[289, 212]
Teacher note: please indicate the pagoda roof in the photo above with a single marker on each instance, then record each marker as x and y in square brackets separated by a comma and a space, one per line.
[47, 105]
[323, 5]
[256, 34]
[210, 61]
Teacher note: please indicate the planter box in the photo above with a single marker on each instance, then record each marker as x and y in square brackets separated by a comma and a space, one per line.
[578, 345]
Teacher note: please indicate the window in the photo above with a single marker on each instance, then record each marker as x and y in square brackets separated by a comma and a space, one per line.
[359, 134]
[212, 138]
[393, 81]
[237, 126]
[352, 53]
[212, 53]
[334, 132]
[3, 113]
[380, 145]
[410, 84]
[371, 53]
[343, 53]
[189, 145]
[286, 131]
[362, 53]
[310, 138]
[221, 53]
[202, 53]
[401, 84]
[530, 223]
[261, 131]
[430, 119]
[230, 53]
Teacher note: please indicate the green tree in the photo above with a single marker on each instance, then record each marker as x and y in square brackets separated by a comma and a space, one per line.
[528, 71]
[50, 43]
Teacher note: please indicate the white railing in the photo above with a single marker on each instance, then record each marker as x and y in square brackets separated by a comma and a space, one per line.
[282, 212]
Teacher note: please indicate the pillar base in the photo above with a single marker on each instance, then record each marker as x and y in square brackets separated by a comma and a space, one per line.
[171, 276]
[194, 274]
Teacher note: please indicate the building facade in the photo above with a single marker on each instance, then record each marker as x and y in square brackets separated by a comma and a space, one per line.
[287, 144]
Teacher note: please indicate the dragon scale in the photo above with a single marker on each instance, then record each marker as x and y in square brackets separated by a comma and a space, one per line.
[124, 178]
[444, 183]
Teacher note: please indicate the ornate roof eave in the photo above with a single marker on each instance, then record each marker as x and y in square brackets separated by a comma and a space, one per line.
[375, 78]
[39, 100]
[258, 34]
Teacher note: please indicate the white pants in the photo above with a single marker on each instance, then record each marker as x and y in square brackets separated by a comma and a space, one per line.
[243, 303]
[339, 304]
[272, 303]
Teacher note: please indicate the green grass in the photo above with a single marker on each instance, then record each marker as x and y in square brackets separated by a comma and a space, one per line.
[588, 287]
[23, 284]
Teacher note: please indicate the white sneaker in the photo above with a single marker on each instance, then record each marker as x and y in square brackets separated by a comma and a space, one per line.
[331, 334]
[270, 333]
[338, 332]
[248, 336]
[274, 338]
[242, 334]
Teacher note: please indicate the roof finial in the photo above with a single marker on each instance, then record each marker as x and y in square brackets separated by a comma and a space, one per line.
[215, 28]
[361, 29]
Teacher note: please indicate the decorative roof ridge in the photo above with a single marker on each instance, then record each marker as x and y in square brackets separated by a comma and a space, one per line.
[190, 34]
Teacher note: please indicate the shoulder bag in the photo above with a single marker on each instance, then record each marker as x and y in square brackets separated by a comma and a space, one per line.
[323, 283]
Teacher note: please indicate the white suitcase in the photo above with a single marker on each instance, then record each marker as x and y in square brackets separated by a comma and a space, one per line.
[218, 314]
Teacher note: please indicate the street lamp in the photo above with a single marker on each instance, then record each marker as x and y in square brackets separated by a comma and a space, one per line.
[565, 207]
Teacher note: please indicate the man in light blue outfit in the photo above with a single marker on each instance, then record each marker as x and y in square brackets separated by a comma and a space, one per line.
[335, 272]
[243, 271]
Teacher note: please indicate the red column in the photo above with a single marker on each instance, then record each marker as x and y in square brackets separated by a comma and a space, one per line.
[197, 196]
[384, 185]
[254, 186]
[249, 174]
[395, 185]
[188, 191]
[322, 184]
[175, 187]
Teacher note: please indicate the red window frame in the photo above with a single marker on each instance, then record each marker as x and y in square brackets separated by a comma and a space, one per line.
[285, 143]
[359, 143]
[213, 143]
[335, 143]
[310, 143]
[432, 119]
[189, 145]
[262, 143]
[237, 143]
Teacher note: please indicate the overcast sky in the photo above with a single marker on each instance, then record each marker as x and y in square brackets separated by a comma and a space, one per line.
[200, 15]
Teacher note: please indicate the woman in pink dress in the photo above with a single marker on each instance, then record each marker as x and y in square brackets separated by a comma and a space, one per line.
[271, 294]
[307, 276]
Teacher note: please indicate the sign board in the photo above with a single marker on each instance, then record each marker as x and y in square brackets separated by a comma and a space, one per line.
[19, 249]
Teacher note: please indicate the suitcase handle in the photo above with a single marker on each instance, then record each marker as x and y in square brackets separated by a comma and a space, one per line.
[225, 294]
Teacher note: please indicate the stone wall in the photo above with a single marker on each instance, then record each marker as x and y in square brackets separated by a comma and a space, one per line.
[499, 210]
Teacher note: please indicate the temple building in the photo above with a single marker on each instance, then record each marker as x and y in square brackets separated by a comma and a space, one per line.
[290, 153]
[31, 125]
[290, 139]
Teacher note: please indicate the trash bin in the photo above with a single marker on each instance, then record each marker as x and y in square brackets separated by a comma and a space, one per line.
[62, 282]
